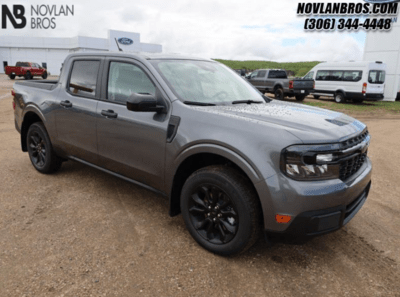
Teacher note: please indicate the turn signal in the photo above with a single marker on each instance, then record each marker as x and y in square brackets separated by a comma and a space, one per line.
[13, 93]
[283, 219]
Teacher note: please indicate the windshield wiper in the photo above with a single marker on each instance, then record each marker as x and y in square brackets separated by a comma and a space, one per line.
[246, 102]
[198, 103]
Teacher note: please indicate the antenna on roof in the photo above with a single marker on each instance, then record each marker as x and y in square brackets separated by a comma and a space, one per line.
[118, 45]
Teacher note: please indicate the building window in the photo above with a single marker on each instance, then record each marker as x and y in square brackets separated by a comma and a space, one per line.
[5, 64]
[44, 65]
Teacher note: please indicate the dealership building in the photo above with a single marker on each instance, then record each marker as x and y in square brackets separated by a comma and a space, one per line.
[50, 52]
[385, 47]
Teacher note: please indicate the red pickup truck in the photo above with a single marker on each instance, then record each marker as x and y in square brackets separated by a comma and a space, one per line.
[26, 69]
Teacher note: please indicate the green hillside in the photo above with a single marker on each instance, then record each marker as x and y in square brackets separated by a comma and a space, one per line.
[299, 68]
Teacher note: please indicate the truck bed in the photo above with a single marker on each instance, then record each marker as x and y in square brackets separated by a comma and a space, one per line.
[40, 84]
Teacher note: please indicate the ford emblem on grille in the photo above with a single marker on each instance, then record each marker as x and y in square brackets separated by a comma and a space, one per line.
[125, 41]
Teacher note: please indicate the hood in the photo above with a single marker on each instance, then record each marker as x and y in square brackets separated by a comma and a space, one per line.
[309, 124]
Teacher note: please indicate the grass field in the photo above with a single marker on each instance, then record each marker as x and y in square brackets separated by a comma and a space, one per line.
[299, 68]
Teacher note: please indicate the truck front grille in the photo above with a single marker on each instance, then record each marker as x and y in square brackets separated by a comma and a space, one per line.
[351, 166]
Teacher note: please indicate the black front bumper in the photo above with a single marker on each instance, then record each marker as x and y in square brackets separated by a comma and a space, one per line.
[314, 223]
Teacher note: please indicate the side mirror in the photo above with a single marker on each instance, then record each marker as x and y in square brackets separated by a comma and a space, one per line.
[143, 103]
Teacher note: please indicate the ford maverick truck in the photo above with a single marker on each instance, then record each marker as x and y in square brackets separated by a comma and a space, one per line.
[233, 162]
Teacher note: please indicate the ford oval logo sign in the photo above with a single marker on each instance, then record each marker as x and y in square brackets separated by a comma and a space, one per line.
[125, 41]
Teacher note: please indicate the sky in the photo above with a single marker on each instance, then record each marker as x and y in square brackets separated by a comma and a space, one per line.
[239, 30]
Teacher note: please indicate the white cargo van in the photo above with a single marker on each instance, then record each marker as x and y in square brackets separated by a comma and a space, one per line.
[355, 81]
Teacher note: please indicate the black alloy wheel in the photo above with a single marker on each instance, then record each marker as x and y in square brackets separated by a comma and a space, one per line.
[37, 149]
[40, 149]
[213, 214]
[221, 210]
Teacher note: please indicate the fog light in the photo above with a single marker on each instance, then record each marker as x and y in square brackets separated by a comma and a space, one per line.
[283, 219]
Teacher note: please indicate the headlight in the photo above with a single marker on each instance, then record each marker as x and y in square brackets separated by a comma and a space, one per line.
[310, 162]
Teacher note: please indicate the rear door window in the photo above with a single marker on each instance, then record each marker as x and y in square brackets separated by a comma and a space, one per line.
[83, 79]
[376, 77]
[281, 74]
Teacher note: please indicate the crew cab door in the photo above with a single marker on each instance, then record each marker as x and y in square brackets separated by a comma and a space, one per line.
[76, 110]
[130, 143]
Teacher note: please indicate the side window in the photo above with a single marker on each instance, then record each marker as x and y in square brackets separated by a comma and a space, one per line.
[254, 74]
[322, 75]
[272, 74]
[309, 75]
[337, 75]
[281, 74]
[84, 78]
[125, 79]
[352, 76]
[261, 73]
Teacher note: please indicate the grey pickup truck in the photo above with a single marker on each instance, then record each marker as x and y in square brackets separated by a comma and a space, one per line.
[276, 81]
[235, 163]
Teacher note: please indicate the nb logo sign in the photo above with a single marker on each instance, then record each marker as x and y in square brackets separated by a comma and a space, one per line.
[17, 13]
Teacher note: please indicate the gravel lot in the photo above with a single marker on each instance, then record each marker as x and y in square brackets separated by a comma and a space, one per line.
[81, 232]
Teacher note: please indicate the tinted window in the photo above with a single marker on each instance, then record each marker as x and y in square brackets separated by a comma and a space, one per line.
[352, 75]
[309, 75]
[22, 64]
[322, 75]
[125, 79]
[84, 77]
[281, 74]
[272, 74]
[376, 77]
[336, 75]
[262, 73]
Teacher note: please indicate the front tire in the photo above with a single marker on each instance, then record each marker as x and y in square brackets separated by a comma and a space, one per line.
[339, 98]
[44, 75]
[40, 149]
[12, 76]
[221, 210]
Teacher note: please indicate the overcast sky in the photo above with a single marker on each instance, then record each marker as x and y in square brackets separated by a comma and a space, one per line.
[241, 30]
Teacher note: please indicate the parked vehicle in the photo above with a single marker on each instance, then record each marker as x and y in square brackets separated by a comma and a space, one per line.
[26, 69]
[355, 81]
[276, 81]
[232, 161]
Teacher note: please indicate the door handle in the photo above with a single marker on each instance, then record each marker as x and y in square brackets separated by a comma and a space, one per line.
[109, 113]
[66, 103]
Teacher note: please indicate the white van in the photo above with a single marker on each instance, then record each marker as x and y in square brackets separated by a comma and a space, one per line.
[356, 81]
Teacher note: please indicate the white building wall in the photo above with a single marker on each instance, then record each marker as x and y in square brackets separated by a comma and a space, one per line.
[385, 47]
[53, 51]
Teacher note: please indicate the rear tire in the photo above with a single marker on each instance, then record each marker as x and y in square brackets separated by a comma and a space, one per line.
[316, 97]
[300, 97]
[40, 149]
[44, 75]
[221, 210]
[12, 76]
[339, 98]
[28, 75]
[279, 94]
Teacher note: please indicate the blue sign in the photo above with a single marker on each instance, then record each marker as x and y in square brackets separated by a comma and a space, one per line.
[125, 41]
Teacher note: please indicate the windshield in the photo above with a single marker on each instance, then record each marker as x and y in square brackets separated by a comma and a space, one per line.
[205, 82]
[376, 77]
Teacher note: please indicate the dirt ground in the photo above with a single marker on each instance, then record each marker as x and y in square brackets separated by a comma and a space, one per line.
[81, 232]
